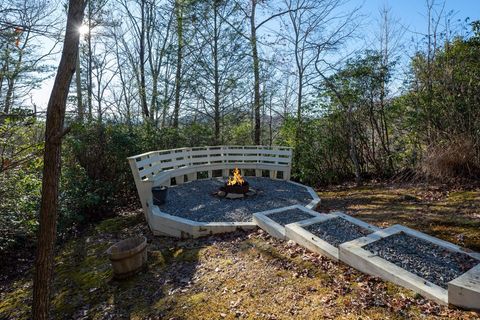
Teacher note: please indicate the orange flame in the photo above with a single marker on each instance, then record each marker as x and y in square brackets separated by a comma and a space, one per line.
[237, 178]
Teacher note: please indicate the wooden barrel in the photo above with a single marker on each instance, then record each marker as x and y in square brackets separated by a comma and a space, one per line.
[128, 256]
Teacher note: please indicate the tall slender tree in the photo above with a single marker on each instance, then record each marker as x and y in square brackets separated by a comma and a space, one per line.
[54, 131]
[220, 62]
[179, 17]
[316, 30]
[252, 37]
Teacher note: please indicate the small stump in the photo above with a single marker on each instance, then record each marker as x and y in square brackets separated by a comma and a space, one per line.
[128, 256]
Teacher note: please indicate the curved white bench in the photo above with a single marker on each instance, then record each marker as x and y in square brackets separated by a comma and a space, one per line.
[158, 168]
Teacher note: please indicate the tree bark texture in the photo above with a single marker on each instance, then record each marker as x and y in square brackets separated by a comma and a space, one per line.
[90, 62]
[143, 86]
[78, 79]
[216, 76]
[178, 73]
[256, 74]
[51, 169]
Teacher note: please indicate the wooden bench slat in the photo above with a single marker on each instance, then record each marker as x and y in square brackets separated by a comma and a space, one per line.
[152, 165]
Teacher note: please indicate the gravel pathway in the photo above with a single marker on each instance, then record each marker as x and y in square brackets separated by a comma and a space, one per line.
[337, 231]
[195, 201]
[422, 258]
[289, 216]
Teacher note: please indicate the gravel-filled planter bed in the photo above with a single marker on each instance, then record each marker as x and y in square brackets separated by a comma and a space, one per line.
[325, 233]
[435, 268]
[337, 230]
[275, 221]
[289, 216]
[423, 258]
[196, 200]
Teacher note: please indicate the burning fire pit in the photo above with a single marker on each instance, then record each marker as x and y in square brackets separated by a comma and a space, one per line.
[235, 187]
[236, 184]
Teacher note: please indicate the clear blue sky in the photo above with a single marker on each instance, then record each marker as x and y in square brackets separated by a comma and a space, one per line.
[410, 13]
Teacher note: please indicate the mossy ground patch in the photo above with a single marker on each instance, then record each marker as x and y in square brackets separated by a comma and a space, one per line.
[248, 274]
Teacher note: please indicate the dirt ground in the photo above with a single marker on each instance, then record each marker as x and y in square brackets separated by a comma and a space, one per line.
[250, 275]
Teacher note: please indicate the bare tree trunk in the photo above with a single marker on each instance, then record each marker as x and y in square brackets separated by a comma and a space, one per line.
[51, 168]
[178, 74]
[256, 74]
[270, 122]
[300, 95]
[216, 102]
[156, 55]
[390, 37]
[3, 71]
[353, 148]
[143, 87]
[99, 96]
[90, 62]
[153, 67]
[256, 65]
[165, 100]
[123, 81]
[80, 106]
[8, 96]
[154, 99]
[298, 129]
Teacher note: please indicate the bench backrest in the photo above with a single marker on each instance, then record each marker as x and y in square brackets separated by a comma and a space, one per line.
[153, 163]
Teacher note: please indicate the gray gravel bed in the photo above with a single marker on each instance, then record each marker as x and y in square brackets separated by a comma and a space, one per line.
[194, 200]
[423, 258]
[337, 231]
[289, 216]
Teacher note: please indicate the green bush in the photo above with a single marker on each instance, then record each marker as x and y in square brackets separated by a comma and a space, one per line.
[20, 180]
[20, 194]
[320, 154]
[96, 176]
